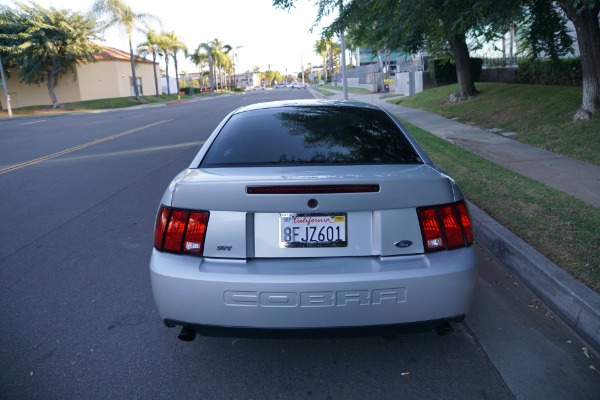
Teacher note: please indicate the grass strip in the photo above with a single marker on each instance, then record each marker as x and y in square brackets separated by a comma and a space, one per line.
[563, 228]
[541, 115]
[325, 92]
[102, 104]
[339, 88]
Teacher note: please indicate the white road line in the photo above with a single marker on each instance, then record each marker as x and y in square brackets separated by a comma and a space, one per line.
[34, 122]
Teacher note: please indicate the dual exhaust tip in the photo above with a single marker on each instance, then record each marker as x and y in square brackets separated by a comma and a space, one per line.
[187, 334]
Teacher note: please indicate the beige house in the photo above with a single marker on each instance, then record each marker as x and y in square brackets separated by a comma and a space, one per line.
[108, 77]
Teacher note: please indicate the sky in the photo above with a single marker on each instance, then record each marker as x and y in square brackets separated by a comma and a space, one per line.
[268, 36]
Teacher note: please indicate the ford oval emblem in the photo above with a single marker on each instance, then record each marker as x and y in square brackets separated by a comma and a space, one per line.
[403, 243]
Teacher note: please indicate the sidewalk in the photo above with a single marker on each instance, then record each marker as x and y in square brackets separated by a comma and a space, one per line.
[576, 304]
[576, 178]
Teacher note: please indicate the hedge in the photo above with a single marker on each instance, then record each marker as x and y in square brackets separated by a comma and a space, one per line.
[564, 72]
[443, 71]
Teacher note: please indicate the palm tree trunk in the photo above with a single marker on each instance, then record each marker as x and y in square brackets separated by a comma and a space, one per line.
[136, 90]
[155, 75]
[176, 73]
[211, 75]
[167, 73]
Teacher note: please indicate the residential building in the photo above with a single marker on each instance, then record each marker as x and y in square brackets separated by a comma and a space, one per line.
[108, 77]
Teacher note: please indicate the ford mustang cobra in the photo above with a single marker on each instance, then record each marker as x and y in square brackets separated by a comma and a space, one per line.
[311, 216]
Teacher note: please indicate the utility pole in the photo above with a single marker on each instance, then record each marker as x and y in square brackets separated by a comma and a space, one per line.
[344, 80]
[343, 44]
[6, 95]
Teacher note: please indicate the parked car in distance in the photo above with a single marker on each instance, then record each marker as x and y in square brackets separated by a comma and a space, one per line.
[311, 216]
[281, 86]
[257, 88]
[298, 85]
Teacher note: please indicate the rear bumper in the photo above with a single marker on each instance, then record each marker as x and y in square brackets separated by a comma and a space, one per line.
[307, 333]
[305, 294]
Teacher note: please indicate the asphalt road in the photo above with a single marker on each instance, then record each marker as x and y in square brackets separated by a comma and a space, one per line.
[79, 196]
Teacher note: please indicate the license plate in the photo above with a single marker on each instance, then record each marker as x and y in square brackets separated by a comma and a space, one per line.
[313, 230]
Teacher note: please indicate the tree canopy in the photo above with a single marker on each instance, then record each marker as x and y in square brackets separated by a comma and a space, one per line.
[120, 14]
[47, 43]
[446, 25]
[151, 46]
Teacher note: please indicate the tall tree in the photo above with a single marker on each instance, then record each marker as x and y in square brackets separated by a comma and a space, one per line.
[151, 46]
[208, 49]
[235, 61]
[120, 14]
[322, 48]
[440, 26]
[50, 43]
[216, 52]
[544, 30]
[221, 57]
[585, 17]
[175, 45]
[164, 44]
[200, 59]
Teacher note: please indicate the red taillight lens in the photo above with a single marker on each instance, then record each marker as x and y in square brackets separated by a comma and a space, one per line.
[194, 238]
[431, 229]
[162, 219]
[180, 231]
[451, 224]
[445, 227]
[465, 221]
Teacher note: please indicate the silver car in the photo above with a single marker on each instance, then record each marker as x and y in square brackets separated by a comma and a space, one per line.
[311, 216]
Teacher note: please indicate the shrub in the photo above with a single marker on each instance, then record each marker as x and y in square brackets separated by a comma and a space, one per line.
[443, 71]
[565, 72]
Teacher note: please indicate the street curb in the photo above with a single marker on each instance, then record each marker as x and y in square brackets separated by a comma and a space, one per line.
[576, 304]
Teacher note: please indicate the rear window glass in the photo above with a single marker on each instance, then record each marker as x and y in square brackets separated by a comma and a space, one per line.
[310, 135]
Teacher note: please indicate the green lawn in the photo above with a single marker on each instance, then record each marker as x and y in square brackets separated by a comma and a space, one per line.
[331, 89]
[102, 104]
[540, 115]
[561, 227]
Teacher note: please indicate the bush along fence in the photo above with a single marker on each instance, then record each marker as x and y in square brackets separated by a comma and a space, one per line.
[566, 72]
[443, 71]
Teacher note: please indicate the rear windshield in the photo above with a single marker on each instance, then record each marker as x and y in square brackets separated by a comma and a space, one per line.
[322, 135]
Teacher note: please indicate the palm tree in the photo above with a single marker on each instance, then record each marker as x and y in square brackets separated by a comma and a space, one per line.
[199, 59]
[164, 44]
[151, 46]
[208, 49]
[215, 52]
[120, 14]
[175, 45]
[322, 49]
[222, 58]
[235, 61]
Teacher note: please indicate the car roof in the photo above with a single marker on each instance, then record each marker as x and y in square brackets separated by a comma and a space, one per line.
[305, 103]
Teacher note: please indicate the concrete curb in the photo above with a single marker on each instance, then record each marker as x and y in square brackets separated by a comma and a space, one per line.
[576, 304]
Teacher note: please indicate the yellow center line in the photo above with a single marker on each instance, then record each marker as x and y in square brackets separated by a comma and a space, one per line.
[83, 146]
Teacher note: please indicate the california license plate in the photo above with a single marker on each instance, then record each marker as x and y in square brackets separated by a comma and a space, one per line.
[313, 230]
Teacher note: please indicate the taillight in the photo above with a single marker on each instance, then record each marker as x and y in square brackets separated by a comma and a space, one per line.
[445, 227]
[180, 231]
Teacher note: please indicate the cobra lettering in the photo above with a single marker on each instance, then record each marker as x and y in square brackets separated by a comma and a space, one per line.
[343, 298]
